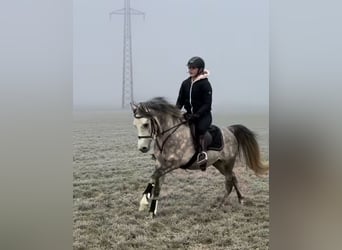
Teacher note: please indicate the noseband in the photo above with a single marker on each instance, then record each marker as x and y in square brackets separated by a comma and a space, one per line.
[153, 129]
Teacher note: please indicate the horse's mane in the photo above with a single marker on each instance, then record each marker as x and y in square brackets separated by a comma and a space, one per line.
[158, 106]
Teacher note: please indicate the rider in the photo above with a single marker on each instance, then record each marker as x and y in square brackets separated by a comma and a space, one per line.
[195, 95]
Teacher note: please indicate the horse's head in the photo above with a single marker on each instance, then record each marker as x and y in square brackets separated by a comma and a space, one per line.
[143, 123]
[150, 119]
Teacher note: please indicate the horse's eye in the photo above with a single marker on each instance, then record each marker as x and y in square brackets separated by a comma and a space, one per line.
[145, 125]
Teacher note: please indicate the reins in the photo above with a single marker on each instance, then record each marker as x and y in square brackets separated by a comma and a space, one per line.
[164, 142]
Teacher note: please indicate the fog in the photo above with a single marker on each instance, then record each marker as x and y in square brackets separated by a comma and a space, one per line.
[231, 36]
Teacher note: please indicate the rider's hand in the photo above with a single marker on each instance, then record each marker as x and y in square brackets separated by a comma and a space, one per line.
[186, 116]
[191, 117]
[194, 117]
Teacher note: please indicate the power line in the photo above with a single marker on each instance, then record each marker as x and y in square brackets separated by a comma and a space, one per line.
[127, 69]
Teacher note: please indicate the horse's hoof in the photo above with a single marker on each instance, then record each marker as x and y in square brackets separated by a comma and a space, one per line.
[242, 201]
[152, 215]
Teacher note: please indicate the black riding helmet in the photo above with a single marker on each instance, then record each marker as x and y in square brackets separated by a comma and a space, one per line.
[196, 62]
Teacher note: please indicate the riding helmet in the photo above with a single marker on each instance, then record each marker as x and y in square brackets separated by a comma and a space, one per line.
[196, 62]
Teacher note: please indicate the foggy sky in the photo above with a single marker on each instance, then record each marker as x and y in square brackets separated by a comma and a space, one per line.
[232, 37]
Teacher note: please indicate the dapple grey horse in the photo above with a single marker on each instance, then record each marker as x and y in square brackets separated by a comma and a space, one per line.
[159, 121]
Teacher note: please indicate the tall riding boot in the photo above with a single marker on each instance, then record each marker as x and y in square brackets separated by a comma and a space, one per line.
[202, 157]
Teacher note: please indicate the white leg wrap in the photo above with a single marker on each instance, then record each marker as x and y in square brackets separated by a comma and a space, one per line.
[155, 208]
[143, 203]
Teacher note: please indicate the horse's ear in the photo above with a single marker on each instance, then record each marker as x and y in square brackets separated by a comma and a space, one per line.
[133, 106]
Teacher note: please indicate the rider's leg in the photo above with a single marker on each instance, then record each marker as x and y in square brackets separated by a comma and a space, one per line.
[203, 139]
[202, 156]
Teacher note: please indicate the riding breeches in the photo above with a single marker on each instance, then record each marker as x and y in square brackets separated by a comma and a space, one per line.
[203, 124]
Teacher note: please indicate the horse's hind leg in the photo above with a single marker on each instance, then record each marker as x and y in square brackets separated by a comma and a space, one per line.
[236, 186]
[226, 170]
[229, 187]
[229, 184]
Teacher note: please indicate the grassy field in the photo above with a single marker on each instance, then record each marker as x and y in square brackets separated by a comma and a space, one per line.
[110, 175]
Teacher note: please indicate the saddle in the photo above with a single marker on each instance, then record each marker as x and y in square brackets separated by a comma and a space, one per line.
[214, 138]
[214, 142]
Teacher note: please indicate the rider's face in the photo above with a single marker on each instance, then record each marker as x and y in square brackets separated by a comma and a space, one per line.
[193, 71]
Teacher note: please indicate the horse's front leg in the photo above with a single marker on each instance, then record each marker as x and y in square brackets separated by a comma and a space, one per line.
[152, 189]
[147, 194]
[157, 180]
[162, 167]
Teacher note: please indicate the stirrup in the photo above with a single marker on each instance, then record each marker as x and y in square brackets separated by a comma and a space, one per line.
[202, 158]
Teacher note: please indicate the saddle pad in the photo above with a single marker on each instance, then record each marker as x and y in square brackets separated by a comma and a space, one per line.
[217, 138]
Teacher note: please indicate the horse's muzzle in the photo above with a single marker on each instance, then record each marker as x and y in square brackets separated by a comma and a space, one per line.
[143, 149]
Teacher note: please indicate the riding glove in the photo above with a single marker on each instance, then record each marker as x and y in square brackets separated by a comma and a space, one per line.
[191, 117]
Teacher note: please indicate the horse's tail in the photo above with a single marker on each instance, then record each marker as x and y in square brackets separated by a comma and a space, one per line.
[248, 144]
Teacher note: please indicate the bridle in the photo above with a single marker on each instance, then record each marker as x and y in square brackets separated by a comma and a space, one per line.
[153, 128]
[155, 131]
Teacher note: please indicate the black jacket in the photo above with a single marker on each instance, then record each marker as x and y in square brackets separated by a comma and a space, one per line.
[201, 97]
